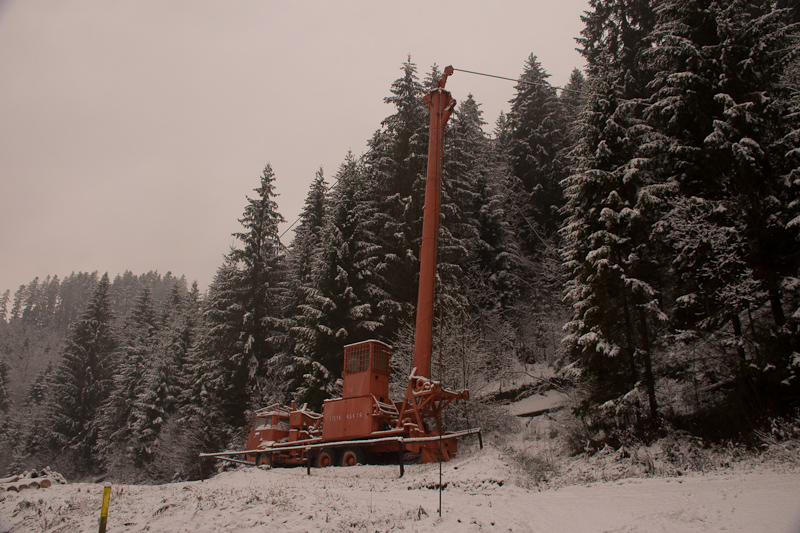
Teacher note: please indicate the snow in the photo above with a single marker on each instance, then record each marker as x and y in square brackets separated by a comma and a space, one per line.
[549, 400]
[480, 495]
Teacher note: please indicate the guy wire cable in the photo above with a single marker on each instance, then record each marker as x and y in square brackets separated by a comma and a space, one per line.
[520, 81]
[545, 85]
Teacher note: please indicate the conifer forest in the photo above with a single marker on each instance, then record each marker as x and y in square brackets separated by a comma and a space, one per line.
[638, 230]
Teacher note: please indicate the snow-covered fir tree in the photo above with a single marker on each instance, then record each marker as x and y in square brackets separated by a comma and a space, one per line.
[613, 203]
[119, 443]
[297, 378]
[537, 136]
[722, 111]
[83, 379]
[396, 165]
[342, 307]
[244, 311]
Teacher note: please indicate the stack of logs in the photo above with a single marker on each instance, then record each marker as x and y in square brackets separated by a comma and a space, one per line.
[30, 480]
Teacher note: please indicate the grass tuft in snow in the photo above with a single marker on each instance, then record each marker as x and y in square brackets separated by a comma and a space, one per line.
[534, 468]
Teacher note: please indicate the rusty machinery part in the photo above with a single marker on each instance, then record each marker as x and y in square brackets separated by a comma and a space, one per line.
[440, 106]
[327, 457]
[264, 459]
[353, 456]
[422, 384]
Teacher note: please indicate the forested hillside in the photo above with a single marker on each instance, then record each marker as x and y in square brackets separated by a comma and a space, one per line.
[638, 229]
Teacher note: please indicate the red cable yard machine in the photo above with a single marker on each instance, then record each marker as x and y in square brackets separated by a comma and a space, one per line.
[365, 422]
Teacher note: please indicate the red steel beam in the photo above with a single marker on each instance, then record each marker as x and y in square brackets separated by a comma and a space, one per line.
[440, 105]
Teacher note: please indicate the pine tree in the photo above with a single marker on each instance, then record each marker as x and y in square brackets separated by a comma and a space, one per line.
[31, 310]
[4, 300]
[51, 301]
[308, 235]
[296, 357]
[341, 302]
[166, 374]
[396, 169]
[750, 138]
[399, 148]
[478, 240]
[537, 136]
[83, 378]
[244, 310]
[119, 443]
[4, 400]
[76, 290]
[219, 364]
[722, 108]
[573, 100]
[260, 265]
[16, 306]
[614, 202]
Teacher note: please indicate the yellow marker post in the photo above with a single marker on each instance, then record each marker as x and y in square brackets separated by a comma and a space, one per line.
[104, 510]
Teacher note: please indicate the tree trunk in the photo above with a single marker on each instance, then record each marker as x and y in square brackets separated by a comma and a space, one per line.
[649, 378]
[737, 333]
[631, 338]
[777, 307]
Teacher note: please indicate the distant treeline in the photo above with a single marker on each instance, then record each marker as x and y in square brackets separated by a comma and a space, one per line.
[639, 230]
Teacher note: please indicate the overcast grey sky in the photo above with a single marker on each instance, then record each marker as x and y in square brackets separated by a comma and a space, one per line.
[131, 131]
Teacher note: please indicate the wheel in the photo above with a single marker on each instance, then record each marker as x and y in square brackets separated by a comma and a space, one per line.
[352, 456]
[327, 457]
[264, 459]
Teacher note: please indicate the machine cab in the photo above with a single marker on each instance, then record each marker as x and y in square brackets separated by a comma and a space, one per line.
[270, 424]
[366, 370]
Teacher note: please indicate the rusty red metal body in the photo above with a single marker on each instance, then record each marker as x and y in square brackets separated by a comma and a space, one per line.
[365, 421]
[364, 407]
[440, 106]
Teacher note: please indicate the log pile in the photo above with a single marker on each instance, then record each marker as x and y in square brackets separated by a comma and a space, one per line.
[31, 479]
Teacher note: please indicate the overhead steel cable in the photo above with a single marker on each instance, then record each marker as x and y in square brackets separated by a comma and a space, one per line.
[545, 85]
[520, 81]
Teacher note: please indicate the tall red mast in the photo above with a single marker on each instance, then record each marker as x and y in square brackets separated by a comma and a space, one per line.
[440, 105]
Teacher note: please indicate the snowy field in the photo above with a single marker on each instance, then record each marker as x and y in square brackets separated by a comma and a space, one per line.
[480, 495]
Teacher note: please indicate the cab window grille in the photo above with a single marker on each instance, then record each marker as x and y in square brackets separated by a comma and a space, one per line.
[381, 359]
[357, 359]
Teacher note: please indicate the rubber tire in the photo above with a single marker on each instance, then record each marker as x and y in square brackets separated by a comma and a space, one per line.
[353, 456]
[264, 459]
[327, 457]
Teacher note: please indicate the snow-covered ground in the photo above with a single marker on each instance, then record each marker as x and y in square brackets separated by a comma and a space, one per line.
[550, 400]
[480, 495]
[483, 491]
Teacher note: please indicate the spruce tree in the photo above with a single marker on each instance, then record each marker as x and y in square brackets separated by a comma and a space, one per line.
[4, 301]
[342, 305]
[83, 378]
[219, 364]
[119, 443]
[614, 201]
[396, 169]
[308, 235]
[538, 134]
[296, 356]
[465, 151]
[573, 100]
[4, 400]
[244, 310]
[260, 265]
[722, 111]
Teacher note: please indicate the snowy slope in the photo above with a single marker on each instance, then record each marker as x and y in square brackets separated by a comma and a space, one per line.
[479, 496]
